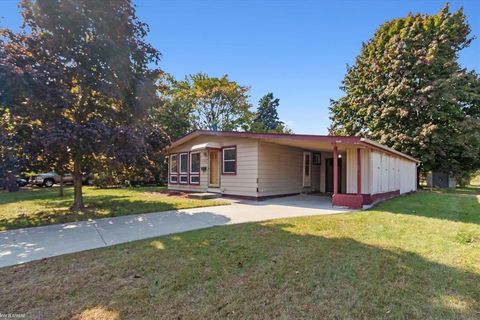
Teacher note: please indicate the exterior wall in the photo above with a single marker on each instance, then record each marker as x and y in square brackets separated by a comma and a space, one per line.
[243, 183]
[267, 169]
[316, 172]
[280, 169]
[322, 171]
[390, 173]
[351, 167]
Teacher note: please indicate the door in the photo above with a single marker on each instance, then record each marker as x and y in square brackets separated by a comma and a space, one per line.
[329, 175]
[307, 169]
[214, 165]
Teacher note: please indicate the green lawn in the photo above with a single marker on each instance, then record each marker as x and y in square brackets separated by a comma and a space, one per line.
[413, 257]
[37, 206]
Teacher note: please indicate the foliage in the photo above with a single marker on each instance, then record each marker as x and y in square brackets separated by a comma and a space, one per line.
[266, 118]
[408, 91]
[85, 82]
[214, 103]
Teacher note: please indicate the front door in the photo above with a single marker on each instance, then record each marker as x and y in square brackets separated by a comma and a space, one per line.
[307, 169]
[329, 175]
[214, 164]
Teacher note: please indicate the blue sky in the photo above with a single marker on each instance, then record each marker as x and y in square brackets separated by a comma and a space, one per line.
[296, 49]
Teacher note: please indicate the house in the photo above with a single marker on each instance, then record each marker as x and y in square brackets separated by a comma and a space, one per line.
[352, 170]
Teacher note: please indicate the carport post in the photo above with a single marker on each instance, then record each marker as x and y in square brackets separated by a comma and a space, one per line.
[335, 169]
[359, 172]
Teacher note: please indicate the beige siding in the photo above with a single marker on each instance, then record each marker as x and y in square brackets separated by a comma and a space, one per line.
[352, 170]
[244, 183]
[391, 173]
[279, 169]
[408, 177]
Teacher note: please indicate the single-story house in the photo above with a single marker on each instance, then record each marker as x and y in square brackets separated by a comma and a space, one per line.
[355, 171]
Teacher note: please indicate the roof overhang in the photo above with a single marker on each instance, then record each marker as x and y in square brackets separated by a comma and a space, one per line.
[309, 142]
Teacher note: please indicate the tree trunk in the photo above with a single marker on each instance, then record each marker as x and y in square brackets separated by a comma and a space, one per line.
[419, 186]
[77, 185]
[60, 191]
[11, 183]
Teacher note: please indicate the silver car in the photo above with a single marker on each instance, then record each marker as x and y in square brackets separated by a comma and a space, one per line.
[50, 178]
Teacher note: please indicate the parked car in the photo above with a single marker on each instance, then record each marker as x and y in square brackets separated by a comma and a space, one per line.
[50, 178]
[20, 182]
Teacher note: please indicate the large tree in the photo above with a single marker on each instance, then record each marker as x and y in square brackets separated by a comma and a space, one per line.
[266, 117]
[93, 63]
[215, 103]
[408, 91]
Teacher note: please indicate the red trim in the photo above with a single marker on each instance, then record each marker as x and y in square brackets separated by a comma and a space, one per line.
[359, 172]
[179, 166]
[194, 174]
[284, 136]
[373, 198]
[335, 169]
[170, 173]
[235, 163]
[353, 201]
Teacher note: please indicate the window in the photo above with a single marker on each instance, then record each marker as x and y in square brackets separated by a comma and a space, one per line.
[183, 163]
[317, 159]
[194, 179]
[307, 165]
[173, 164]
[195, 163]
[173, 169]
[184, 179]
[195, 168]
[229, 165]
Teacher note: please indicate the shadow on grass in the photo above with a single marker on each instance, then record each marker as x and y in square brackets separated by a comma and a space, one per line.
[243, 271]
[450, 206]
[57, 210]
[51, 194]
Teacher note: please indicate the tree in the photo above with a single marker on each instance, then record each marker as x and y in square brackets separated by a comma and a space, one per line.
[216, 103]
[408, 91]
[266, 118]
[92, 61]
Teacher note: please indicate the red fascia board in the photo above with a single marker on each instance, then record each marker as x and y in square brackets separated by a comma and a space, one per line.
[298, 137]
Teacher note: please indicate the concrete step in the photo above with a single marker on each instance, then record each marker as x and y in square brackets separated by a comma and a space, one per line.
[204, 195]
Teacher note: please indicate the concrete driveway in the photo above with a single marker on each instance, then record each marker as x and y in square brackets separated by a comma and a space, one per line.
[22, 245]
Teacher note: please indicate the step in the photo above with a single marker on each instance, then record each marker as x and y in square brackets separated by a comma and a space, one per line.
[204, 195]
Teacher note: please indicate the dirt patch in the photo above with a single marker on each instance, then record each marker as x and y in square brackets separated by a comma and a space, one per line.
[167, 193]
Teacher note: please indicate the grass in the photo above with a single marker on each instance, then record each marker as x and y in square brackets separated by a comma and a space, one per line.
[36, 207]
[413, 257]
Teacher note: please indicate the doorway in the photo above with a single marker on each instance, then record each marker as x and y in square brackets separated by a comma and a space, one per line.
[307, 169]
[214, 165]
[329, 175]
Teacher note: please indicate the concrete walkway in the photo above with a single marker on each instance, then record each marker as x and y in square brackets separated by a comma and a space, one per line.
[22, 245]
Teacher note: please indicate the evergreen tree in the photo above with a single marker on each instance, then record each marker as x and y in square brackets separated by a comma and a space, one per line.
[266, 118]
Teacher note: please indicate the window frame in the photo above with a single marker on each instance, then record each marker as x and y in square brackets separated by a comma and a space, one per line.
[194, 174]
[170, 179]
[190, 162]
[170, 167]
[234, 172]
[316, 156]
[180, 163]
[170, 172]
